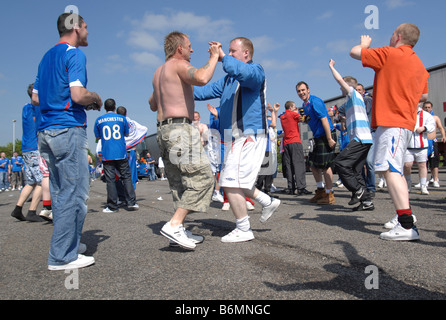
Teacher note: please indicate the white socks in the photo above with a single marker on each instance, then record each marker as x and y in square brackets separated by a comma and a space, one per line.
[263, 199]
[243, 224]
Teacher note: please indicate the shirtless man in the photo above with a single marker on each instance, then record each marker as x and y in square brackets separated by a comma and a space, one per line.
[203, 128]
[434, 157]
[186, 164]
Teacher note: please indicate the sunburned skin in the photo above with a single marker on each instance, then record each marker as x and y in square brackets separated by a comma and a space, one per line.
[173, 95]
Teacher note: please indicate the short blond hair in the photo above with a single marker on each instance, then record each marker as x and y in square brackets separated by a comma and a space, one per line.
[351, 81]
[410, 34]
[246, 43]
[172, 41]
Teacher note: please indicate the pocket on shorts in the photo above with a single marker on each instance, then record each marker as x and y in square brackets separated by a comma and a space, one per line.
[196, 176]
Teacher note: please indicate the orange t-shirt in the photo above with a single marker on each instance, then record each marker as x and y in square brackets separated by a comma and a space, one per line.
[400, 81]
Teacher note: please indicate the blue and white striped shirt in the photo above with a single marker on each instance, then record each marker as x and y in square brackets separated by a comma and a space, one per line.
[357, 121]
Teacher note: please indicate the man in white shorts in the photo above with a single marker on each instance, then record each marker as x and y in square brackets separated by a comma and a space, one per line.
[417, 149]
[401, 83]
[243, 128]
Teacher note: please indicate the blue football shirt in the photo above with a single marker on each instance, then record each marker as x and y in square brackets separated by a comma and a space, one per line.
[112, 129]
[4, 165]
[30, 122]
[17, 164]
[62, 67]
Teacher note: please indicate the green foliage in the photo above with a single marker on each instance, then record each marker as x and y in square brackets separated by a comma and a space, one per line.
[8, 148]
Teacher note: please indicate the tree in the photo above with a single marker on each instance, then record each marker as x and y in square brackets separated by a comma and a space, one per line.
[8, 148]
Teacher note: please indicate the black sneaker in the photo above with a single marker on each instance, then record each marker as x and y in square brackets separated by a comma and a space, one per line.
[303, 192]
[364, 207]
[357, 197]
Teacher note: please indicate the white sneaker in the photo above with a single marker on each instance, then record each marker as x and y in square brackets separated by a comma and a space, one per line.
[418, 185]
[46, 214]
[217, 197]
[398, 233]
[394, 221]
[134, 207]
[249, 206]
[108, 210]
[238, 235]
[226, 206]
[82, 261]
[269, 210]
[424, 190]
[339, 184]
[177, 234]
[436, 184]
[195, 238]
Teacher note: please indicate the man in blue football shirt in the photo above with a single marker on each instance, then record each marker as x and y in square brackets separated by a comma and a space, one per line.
[243, 128]
[325, 139]
[60, 91]
[16, 171]
[111, 129]
[32, 174]
[4, 171]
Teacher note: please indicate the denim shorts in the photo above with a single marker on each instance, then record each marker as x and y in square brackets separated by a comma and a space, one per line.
[33, 174]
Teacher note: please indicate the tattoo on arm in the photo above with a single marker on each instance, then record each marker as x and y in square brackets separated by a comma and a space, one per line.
[207, 65]
[191, 72]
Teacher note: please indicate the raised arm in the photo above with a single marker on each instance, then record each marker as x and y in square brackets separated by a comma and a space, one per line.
[366, 41]
[200, 77]
[213, 110]
[274, 110]
[338, 76]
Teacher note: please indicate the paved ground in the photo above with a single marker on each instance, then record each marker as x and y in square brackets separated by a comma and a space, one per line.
[304, 252]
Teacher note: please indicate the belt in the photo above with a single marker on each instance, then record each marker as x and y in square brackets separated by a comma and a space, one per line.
[173, 120]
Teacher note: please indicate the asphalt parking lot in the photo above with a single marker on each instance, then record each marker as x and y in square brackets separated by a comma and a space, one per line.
[304, 252]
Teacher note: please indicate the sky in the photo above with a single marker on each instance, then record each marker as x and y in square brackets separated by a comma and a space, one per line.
[293, 41]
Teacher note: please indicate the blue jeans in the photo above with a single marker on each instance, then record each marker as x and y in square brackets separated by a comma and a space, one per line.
[152, 175]
[4, 180]
[66, 154]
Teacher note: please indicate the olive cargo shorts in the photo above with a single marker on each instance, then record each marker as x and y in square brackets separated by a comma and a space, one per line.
[187, 166]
